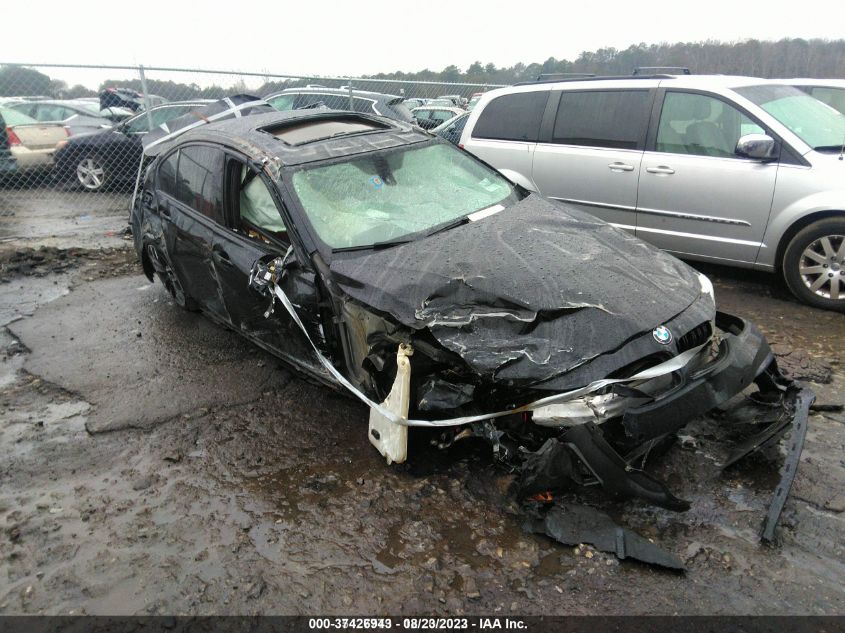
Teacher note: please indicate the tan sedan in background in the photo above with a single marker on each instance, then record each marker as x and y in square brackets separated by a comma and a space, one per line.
[31, 142]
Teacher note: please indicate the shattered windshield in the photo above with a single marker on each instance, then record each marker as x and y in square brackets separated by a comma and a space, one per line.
[384, 196]
[816, 123]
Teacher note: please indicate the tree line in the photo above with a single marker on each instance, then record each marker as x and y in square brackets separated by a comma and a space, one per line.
[791, 57]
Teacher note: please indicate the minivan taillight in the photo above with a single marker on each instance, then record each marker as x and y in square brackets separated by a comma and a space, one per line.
[13, 138]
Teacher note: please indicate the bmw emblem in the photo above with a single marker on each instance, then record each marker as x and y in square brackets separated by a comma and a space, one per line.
[662, 335]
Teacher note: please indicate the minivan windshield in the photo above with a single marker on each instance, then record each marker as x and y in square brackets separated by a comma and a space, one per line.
[817, 124]
[387, 196]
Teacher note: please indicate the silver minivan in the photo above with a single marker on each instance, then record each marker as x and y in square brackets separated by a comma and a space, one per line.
[734, 170]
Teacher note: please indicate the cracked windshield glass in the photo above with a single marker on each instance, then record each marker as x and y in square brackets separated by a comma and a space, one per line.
[388, 195]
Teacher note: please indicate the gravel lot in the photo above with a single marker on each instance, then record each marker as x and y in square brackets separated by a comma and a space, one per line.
[156, 463]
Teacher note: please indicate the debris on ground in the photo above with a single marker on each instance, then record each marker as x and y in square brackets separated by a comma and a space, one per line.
[574, 524]
[49, 260]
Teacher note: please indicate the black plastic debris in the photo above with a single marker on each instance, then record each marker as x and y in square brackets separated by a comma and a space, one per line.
[797, 401]
[575, 524]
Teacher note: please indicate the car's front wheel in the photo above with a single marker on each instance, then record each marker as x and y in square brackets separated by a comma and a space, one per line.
[814, 264]
[91, 173]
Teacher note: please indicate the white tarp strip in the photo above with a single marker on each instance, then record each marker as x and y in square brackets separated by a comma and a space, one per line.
[662, 369]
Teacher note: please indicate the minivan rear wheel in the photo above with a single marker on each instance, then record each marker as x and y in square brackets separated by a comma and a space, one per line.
[814, 264]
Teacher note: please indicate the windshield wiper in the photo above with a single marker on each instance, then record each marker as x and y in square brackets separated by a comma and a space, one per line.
[375, 247]
[451, 225]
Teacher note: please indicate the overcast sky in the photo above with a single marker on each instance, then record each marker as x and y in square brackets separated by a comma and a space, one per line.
[330, 37]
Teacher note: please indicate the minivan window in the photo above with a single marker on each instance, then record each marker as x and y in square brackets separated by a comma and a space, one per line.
[700, 125]
[834, 97]
[817, 124]
[602, 118]
[167, 174]
[512, 117]
[200, 180]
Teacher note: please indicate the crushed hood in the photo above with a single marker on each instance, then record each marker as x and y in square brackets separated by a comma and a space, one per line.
[528, 294]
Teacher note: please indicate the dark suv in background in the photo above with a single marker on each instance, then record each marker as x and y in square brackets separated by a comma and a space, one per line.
[389, 106]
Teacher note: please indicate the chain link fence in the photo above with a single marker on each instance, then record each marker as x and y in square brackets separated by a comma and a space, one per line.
[70, 135]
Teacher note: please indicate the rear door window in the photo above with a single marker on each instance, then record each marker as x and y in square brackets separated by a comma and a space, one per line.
[167, 174]
[200, 180]
[28, 109]
[512, 117]
[603, 118]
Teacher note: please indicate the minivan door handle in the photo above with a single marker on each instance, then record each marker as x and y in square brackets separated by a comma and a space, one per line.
[662, 169]
[620, 167]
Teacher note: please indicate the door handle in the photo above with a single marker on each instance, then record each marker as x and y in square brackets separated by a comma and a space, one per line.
[221, 256]
[620, 167]
[662, 169]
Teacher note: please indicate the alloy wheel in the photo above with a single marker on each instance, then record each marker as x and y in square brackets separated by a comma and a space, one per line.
[822, 267]
[91, 173]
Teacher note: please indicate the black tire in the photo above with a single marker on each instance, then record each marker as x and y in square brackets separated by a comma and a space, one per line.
[170, 281]
[813, 265]
[90, 173]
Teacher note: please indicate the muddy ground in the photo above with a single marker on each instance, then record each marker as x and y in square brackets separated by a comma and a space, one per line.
[155, 463]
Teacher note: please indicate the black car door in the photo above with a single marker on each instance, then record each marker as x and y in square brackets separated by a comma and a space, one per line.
[192, 214]
[257, 230]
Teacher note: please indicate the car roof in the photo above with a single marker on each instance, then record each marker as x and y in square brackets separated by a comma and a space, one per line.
[253, 136]
[665, 80]
[802, 81]
[454, 109]
[340, 91]
[177, 103]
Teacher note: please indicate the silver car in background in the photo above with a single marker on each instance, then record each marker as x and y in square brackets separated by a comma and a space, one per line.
[77, 116]
[734, 170]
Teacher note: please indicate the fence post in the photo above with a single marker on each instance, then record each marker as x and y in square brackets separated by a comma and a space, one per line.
[146, 96]
[351, 107]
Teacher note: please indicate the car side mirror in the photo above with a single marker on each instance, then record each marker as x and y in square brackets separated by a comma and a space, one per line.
[757, 146]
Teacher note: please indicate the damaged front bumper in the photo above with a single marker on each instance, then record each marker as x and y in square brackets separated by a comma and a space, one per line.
[743, 358]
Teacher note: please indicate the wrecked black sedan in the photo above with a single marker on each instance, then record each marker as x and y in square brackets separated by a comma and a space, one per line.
[394, 266]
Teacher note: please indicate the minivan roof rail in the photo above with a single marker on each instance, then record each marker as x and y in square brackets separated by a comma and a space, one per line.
[594, 78]
[560, 76]
[649, 70]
